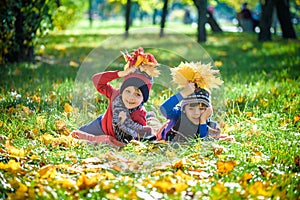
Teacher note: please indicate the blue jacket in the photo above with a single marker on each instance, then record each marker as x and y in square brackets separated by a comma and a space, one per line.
[172, 111]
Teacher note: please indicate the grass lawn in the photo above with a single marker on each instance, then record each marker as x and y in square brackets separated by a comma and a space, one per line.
[261, 110]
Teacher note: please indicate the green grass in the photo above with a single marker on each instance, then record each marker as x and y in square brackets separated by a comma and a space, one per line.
[262, 112]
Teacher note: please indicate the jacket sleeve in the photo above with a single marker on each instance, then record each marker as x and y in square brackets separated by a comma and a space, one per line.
[139, 116]
[129, 126]
[169, 108]
[203, 130]
[101, 82]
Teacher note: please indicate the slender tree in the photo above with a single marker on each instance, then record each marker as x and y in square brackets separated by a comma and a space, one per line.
[284, 17]
[201, 6]
[127, 17]
[163, 18]
[90, 12]
[266, 21]
[213, 23]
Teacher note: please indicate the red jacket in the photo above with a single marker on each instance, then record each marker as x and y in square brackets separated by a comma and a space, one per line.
[101, 82]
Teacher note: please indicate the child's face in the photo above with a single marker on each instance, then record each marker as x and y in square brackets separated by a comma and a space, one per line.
[132, 97]
[193, 112]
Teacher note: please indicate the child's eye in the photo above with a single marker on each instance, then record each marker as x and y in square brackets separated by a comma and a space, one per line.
[138, 94]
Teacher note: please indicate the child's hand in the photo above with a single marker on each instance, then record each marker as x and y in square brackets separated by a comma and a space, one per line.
[122, 116]
[127, 71]
[205, 115]
[188, 89]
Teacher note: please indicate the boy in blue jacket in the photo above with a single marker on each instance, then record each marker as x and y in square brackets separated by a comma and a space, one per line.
[191, 119]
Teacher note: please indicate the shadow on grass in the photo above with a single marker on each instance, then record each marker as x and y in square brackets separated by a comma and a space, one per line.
[243, 58]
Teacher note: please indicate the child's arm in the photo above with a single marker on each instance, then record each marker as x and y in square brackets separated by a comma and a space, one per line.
[205, 115]
[187, 90]
[126, 72]
[168, 108]
[123, 122]
[101, 80]
[203, 127]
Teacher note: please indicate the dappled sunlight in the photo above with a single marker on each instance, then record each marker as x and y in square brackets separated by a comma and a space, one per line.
[38, 158]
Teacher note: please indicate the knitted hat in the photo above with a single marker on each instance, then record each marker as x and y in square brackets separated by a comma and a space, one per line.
[199, 96]
[140, 80]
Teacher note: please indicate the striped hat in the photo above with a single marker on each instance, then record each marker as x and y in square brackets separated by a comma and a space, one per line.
[199, 96]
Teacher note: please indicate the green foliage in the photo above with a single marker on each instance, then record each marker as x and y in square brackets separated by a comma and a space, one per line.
[22, 21]
[68, 13]
[262, 112]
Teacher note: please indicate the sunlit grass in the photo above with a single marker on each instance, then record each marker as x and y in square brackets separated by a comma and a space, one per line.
[262, 112]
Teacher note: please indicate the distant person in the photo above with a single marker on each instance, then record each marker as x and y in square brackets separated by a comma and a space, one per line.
[187, 19]
[245, 18]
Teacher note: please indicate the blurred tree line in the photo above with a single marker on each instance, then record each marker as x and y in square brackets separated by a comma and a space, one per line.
[24, 21]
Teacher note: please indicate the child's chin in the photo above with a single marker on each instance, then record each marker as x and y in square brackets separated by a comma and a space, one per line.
[130, 106]
[196, 122]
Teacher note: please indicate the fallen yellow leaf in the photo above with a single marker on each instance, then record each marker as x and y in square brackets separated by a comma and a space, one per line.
[259, 189]
[296, 118]
[163, 186]
[73, 64]
[218, 63]
[178, 164]
[26, 110]
[66, 183]
[68, 107]
[48, 171]
[219, 189]
[12, 166]
[226, 166]
[21, 192]
[84, 182]
[61, 126]
[36, 99]
[47, 138]
[247, 176]
[13, 151]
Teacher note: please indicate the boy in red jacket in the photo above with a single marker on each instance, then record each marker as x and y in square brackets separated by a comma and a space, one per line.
[125, 117]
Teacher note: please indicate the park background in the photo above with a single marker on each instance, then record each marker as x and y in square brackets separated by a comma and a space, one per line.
[44, 43]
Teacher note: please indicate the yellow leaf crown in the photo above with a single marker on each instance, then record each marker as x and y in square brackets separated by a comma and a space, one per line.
[146, 62]
[200, 74]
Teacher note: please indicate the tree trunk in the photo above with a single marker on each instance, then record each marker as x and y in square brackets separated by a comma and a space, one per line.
[202, 19]
[127, 17]
[284, 17]
[25, 52]
[90, 13]
[154, 16]
[213, 23]
[163, 18]
[266, 21]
